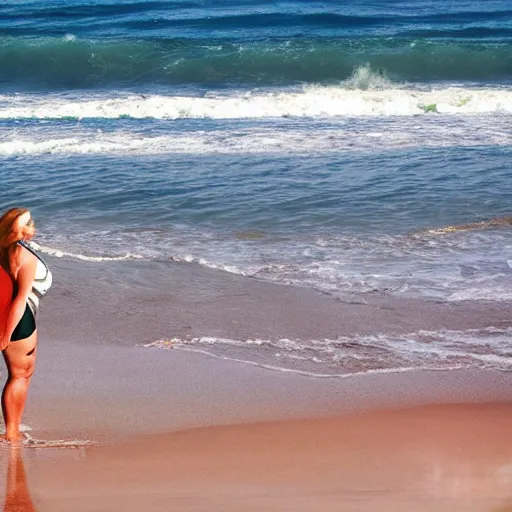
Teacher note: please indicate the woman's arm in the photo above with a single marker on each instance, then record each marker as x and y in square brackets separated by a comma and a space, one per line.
[25, 280]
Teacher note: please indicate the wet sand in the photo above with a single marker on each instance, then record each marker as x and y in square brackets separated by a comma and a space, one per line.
[445, 458]
[108, 393]
[125, 303]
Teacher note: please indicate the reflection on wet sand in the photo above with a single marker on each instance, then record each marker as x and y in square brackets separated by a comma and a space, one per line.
[461, 479]
[505, 508]
[17, 496]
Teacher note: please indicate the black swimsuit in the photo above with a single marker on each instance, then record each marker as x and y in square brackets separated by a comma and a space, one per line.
[26, 326]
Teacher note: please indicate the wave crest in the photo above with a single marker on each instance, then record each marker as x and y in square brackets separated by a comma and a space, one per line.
[365, 79]
[312, 101]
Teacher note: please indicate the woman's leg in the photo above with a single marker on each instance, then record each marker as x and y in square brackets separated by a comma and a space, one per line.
[20, 358]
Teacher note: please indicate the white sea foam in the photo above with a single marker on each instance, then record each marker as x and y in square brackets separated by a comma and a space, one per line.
[91, 143]
[365, 78]
[496, 292]
[312, 101]
[32, 442]
[355, 355]
[77, 256]
[294, 137]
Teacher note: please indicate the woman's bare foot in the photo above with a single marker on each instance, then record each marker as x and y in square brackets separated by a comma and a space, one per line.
[12, 439]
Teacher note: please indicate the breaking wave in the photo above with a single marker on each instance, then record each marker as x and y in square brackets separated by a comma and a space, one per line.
[310, 101]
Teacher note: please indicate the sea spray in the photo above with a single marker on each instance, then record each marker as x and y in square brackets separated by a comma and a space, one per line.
[364, 78]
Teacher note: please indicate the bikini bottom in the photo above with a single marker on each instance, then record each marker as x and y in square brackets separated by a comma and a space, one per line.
[26, 326]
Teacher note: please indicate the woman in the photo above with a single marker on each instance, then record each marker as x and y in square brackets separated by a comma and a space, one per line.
[18, 334]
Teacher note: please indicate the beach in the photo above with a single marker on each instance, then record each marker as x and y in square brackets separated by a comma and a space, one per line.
[174, 428]
[280, 236]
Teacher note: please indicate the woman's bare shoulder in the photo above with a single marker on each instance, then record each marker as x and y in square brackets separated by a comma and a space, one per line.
[24, 258]
[27, 256]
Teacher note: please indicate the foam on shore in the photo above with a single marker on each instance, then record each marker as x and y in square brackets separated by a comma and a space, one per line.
[359, 355]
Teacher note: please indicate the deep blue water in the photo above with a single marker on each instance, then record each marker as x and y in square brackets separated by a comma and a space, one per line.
[70, 44]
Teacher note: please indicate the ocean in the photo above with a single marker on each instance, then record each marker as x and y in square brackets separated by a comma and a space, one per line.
[359, 149]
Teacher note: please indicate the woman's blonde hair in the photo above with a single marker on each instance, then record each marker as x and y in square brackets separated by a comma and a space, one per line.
[7, 221]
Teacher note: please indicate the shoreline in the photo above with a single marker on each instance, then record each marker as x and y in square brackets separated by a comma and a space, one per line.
[107, 393]
[145, 301]
[214, 434]
[97, 316]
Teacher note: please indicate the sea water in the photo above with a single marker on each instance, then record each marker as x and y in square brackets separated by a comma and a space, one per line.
[354, 148]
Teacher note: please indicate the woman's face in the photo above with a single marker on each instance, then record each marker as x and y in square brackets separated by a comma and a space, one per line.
[24, 227]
